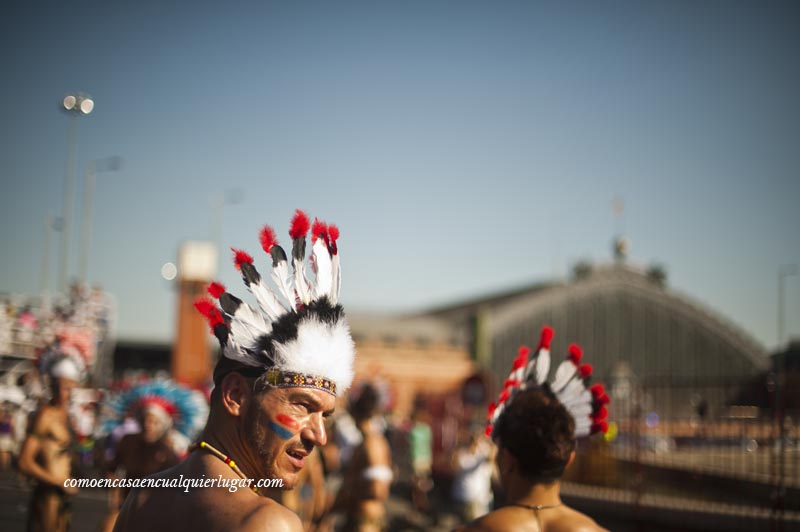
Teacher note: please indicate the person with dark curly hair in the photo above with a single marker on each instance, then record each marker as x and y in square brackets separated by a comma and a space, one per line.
[535, 436]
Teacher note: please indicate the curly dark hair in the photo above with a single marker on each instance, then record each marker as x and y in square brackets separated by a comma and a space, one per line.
[539, 432]
[366, 404]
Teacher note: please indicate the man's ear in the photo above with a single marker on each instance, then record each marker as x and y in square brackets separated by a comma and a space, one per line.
[509, 461]
[570, 460]
[235, 391]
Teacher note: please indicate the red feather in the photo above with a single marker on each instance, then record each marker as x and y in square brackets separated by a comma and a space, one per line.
[215, 318]
[585, 370]
[510, 383]
[600, 426]
[597, 390]
[333, 236]
[319, 230]
[488, 431]
[575, 353]
[204, 306]
[267, 237]
[601, 414]
[216, 289]
[546, 337]
[504, 395]
[300, 225]
[492, 408]
[239, 257]
[604, 399]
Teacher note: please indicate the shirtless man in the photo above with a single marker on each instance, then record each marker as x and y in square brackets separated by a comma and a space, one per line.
[368, 476]
[535, 436]
[275, 384]
[48, 449]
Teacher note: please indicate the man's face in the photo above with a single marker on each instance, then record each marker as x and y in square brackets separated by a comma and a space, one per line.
[153, 425]
[283, 427]
[63, 388]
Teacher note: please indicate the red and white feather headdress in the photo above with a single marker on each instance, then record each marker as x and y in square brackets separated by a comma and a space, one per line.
[570, 386]
[298, 334]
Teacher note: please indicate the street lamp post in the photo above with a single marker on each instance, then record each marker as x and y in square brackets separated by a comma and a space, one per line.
[75, 105]
[108, 164]
[784, 271]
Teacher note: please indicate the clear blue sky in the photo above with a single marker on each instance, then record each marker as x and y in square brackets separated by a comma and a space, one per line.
[462, 147]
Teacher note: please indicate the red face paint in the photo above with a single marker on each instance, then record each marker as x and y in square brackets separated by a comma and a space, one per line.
[287, 421]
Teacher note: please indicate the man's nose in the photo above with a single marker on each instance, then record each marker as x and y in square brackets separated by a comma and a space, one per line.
[316, 432]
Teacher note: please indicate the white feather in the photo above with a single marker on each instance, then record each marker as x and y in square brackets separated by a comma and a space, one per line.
[582, 428]
[245, 335]
[321, 264]
[300, 282]
[336, 272]
[267, 301]
[319, 349]
[574, 388]
[584, 397]
[539, 366]
[282, 279]
[234, 352]
[248, 316]
[580, 411]
[564, 373]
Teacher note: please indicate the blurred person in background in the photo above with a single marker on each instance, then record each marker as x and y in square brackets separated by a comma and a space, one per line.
[49, 448]
[281, 368]
[7, 444]
[472, 476]
[368, 475]
[161, 408]
[420, 449]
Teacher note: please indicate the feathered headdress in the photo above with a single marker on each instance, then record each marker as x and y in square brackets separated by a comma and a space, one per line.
[187, 409]
[298, 335]
[570, 386]
[69, 357]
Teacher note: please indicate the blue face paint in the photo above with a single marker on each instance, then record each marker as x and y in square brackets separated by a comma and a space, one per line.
[282, 432]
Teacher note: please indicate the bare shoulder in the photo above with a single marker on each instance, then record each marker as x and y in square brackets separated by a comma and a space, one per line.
[574, 521]
[495, 521]
[271, 516]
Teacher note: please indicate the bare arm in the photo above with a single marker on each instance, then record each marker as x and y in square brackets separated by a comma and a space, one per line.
[31, 449]
[378, 456]
[272, 518]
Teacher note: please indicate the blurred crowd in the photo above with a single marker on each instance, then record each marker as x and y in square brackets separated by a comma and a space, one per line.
[111, 438]
[28, 324]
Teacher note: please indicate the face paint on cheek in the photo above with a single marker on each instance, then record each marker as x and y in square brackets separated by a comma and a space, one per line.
[284, 426]
[288, 422]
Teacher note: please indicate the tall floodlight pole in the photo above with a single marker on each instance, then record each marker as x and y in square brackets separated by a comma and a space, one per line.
[49, 225]
[75, 105]
[230, 197]
[109, 164]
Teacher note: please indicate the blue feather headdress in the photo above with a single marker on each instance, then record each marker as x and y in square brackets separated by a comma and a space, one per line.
[187, 408]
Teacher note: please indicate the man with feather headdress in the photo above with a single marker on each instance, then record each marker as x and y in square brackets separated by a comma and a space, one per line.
[283, 362]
